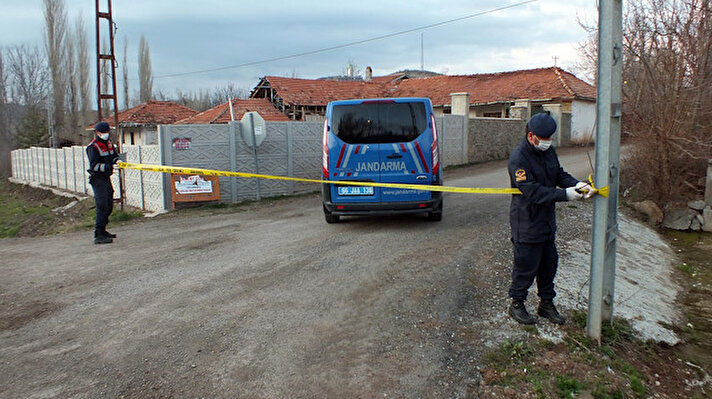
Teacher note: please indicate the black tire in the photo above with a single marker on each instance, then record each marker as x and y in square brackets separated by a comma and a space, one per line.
[329, 217]
[437, 214]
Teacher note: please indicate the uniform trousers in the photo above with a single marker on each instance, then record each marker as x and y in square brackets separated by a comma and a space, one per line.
[534, 260]
[104, 200]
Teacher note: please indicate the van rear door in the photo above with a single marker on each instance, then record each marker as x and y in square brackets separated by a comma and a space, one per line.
[380, 141]
[354, 162]
[405, 151]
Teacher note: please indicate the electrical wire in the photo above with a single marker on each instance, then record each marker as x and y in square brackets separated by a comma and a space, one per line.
[312, 52]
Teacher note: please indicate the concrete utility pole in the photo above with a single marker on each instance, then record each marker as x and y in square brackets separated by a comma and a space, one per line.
[608, 137]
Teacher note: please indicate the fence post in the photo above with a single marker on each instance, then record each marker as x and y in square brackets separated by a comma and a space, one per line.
[233, 134]
[66, 178]
[56, 165]
[74, 170]
[140, 178]
[465, 140]
[290, 158]
[46, 179]
[708, 183]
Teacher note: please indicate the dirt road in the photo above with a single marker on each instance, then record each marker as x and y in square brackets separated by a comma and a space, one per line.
[269, 302]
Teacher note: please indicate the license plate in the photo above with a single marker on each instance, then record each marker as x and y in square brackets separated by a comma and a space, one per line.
[355, 190]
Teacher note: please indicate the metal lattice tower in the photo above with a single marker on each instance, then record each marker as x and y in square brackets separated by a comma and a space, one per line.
[103, 93]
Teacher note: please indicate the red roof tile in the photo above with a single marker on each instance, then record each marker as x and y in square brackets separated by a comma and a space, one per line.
[320, 92]
[544, 83]
[389, 78]
[152, 113]
[221, 113]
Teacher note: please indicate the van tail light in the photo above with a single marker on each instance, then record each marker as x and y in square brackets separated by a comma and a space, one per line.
[434, 147]
[325, 150]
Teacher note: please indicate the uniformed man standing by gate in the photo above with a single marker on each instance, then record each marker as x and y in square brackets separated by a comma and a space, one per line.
[102, 156]
[534, 169]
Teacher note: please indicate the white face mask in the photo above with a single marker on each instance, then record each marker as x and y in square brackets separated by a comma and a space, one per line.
[543, 145]
[104, 136]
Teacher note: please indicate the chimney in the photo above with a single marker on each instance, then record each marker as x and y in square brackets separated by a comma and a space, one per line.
[460, 103]
[369, 74]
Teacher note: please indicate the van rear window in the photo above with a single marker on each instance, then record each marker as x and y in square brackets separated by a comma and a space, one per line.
[379, 122]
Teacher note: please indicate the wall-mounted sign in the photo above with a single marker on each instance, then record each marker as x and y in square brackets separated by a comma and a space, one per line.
[194, 188]
[181, 143]
[193, 185]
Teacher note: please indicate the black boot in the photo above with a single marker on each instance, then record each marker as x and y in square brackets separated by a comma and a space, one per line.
[519, 312]
[548, 310]
[101, 238]
[106, 233]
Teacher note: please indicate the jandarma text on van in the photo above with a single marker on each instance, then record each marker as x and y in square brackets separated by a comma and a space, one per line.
[380, 166]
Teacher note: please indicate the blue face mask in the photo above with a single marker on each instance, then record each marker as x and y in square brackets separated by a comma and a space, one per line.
[104, 136]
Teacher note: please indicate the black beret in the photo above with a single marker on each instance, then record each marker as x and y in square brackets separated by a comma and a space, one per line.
[542, 125]
[102, 127]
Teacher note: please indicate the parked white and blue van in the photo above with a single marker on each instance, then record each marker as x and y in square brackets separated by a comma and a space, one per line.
[384, 140]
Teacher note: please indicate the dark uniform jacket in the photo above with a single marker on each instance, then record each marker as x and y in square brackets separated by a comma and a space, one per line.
[537, 174]
[102, 155]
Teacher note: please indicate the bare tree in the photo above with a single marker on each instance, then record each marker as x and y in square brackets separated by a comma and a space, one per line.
[222, 93]
[145, 76]
[28, 84]
[27, 76]
[5, 138]
[125, 74]
[55, 15]
[3, 87]
[72, 90]
[199, 101]
[82, 77]
[667, 75]
[587, 64]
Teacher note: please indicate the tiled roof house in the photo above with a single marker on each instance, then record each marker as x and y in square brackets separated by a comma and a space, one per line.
[516, 94]
[138, 125]
[221, 113]
[306, 99]
[547, 84]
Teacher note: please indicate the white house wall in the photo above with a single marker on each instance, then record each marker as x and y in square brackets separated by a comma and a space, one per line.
[583, 122]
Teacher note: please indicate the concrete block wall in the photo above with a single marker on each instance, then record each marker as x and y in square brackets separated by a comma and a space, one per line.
[290, 149]
[491, 139]
[66, 169]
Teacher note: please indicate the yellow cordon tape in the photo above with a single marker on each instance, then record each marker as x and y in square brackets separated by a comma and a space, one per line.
[209, 172]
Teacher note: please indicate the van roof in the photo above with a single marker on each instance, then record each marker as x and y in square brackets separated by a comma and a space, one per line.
[382, 99]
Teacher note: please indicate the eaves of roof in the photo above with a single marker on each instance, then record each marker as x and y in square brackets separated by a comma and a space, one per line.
[544, 83]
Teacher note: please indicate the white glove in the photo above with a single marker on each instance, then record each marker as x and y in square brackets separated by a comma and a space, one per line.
[585, 188]
[572, 194]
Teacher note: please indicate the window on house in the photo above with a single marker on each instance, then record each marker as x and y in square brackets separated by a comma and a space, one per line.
[537, 109]
[133, 142]
[492, 114]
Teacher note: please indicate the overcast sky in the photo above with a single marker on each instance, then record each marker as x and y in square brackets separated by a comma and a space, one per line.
[188, 36]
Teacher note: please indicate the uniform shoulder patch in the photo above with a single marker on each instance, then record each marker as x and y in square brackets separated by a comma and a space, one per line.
[520, 175]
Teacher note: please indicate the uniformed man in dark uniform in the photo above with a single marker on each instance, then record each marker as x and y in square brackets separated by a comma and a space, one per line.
[535, 170]
[102, 156]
